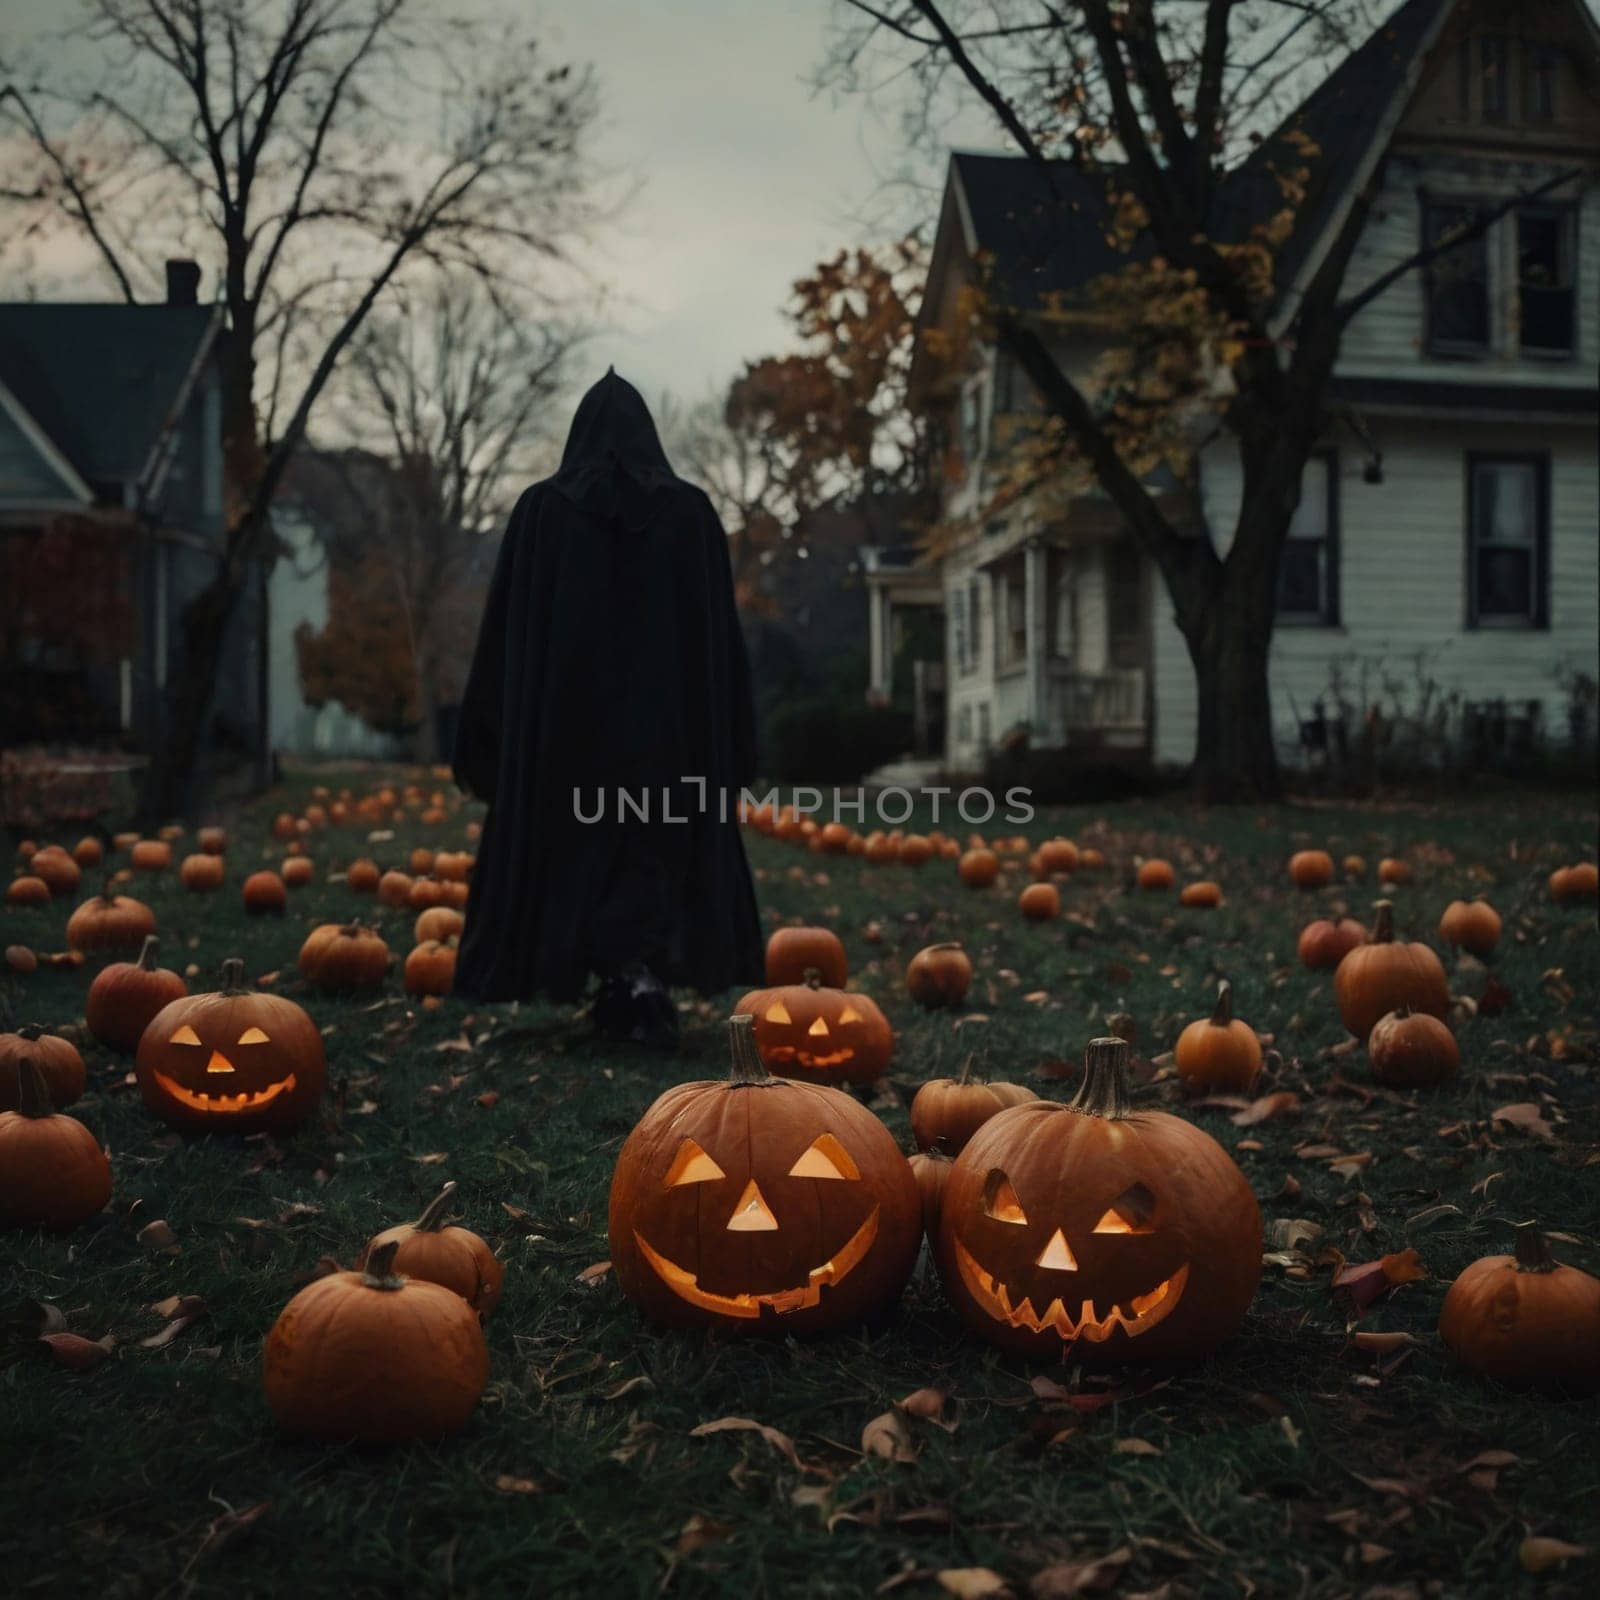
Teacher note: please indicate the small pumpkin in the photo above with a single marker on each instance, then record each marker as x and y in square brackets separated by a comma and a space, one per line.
[427, 892]
[817, 1034]
[297, 871]
[394, 889]
[761, 1204]
[126, 995]
[453, 866]
[264, 894]
[978, 868]
[1471, 925]
[915, 850]
[420, 861]
[59, 871]
[440, 923]
[1568, 885]
[1096, 1232]
[56, 1059]
[1354, 867]
[347, 955]
[939, 975]
[1311, 869]
[1155, 875]
[1040, 902]
[362, 875]
[375, 1358]
[236, 1060]
[1392, 870]
[1090, 859]
[88, 851]
[27, 891]
[53, 1173]
[151, 855]
[931, 1168]
[835, 837]
[285, 825]
[431, 968]
[20, 959]
[213, 841]
[1410, 1050]
[1326, 942]
[1218, 1054]
[201, 873]
[110, 922]
[946, 1112]
[1384, 974]
[453, 1257]
[1525, 1319]
[125, 841]
[792, 952]
[1055, 856]
[1203, 893]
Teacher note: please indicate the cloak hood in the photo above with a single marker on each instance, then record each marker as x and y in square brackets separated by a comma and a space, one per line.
[613, 465]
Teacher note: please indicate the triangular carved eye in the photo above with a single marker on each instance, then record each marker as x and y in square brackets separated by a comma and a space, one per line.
[253, 1036]
[1130, 1212]
[1000, 1199]
[778, 1012]
[692, 1165]
[826, 1158]
[849, 1014]
[185, 1035]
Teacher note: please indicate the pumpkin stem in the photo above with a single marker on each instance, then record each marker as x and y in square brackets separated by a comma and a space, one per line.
[1104, 1091]
[147, 953]
[1383, 923]
[748, 1069]
[379, 1271]
[966, 1068]
[108, 892]
[1222, 1013]
[812, 978]
[233, 975]
[30, 1031]
[1532, 1250]
[432, 1218]
[33, 1098]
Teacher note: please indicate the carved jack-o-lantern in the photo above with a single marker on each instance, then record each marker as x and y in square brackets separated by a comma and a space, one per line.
[235, 1061]
[821, 1035]
[762, 1204]
[1098, 1233]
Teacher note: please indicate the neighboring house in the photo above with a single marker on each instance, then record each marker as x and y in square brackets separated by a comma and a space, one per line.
[111, 519]
[1447, 527]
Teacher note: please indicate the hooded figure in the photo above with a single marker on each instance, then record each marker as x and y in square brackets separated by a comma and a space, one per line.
[610, 658]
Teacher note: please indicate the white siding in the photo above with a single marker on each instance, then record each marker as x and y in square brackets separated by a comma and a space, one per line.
[1403, 577]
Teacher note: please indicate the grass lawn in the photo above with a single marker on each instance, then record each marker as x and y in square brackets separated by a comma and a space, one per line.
[1295, 1461]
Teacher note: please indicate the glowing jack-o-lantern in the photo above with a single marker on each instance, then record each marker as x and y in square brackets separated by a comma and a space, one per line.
[762, 1204]
[234, 1061]
[820, 1035]
[1095, 1232]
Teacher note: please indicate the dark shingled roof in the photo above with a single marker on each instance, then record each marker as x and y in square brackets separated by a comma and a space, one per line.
[1046, 225]
[100, 379]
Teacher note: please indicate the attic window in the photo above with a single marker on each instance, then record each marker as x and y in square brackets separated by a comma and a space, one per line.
[1494, 86]
[1539, 94]
[1457, 281]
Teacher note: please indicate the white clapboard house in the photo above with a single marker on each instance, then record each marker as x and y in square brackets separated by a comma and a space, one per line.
[1447, 530]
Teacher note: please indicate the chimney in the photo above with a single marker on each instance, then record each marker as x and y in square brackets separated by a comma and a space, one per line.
[183, 283]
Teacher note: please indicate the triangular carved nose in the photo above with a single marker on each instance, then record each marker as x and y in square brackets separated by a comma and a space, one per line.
[1058, 1254]
[752, 1214]
[219, 1063]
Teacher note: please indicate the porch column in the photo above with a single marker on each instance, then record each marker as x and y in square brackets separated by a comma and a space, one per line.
[881, 639]
[1034, 598]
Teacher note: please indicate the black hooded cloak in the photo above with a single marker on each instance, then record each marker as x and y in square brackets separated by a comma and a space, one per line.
[609, 657]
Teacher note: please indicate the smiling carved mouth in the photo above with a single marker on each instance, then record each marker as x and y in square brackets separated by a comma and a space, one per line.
[1140, 1315]
[199, 1101]
[686, 1286]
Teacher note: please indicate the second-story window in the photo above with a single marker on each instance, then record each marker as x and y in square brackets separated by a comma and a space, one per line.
[1546, 298]
[1539, 92]
[1456, 282]
[1308, 568]
[1494, 76]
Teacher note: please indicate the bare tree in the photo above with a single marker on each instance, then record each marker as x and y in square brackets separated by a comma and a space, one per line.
[314, 152]
[1157, 104]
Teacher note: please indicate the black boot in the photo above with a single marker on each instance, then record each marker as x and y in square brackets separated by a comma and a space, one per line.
[633, 1006]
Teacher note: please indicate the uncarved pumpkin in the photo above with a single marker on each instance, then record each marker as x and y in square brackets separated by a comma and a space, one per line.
[1311, 869]
[1055, 856]
[436, 1252]
[440, 923]
[915, 850]
[978, 868]
[27, 891]
[151, 855]
[201, 873]
[1471, 925]
[213, 841]
[126, 995]
[297, 871]
[792, 952]
[1204, 893]
[53, 1173]
[946, 1112]
[88, 851]
[1219, 1054]
[264, 894]
[1096, 1232]
[394, 889]
[763, 1205]
[939, 975]
[1571, 885]
[1525, 1319]
[1392, 870]
[1040, 902]
[431, 968]
[348, 955]
[1326, 942]
[59, 871]
[375, 1358]
[363, 876]
[1155, 875]
[56, 1060]
[1410, 1049]
[1385, 974]
[110, 922]
[930, 1168]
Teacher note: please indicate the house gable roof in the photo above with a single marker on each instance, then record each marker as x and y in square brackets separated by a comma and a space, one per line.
[102, 383]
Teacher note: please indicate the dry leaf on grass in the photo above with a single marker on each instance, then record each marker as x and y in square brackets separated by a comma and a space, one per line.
[1068, 1578]
[889, 1437]
[973, 1583]
[1136, 1447]
[781, 1442]
[1539, 1554]
[594, 1272]
[182, 1311]
[1365, 1281]
[1526, 1116]
[73, 1351]
[1268, 1106]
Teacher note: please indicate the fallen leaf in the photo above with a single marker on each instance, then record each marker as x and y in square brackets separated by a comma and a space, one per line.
[928, 1403]
[73, 1351]
[1381, 1343]
[594, 1272]
[158, 1235]
[489, 1099]
[698, 1531]
[1068, 1578]
[506, 1483]
[630, 1386]
[1365, 1281]
[781, 1442]
[1539, 1554]
[973, 1583]
[1526, 1116]
[183, 1312]
[1136, 1447]
[1291, 1233]
[432, 1158]
[888, 1436]
[35, 1318]
[1269, 1105]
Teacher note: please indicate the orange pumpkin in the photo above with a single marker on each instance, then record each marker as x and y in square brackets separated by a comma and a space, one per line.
[939, 975]
[1040, 902]
[1155, 874]
[363, 876]
[762, 1205]
[126, 995]
[212, 841]
[453, 866]
[88, 851]
[339, 956]
[455, 1258]
[1055, 856]
[394, 889]
[979, 868]
[201, 873]
[27, 891]
[420, 860]
[792, 952]
[1473, 926]
[439, 923]
[297, 871]
[427, 892]
[1325, 943]
[151, 855]
[1410, 1049]
[1311, 869]
[1204, 893]
[817, 1034]
[946, 1112]
[431, 968]
[264, 894]
[53, 1173]
[1090, 859]
[110, 922]
[59, 871]
[1391, 870]
[915, 851]
[20, 959]
[1382, 975]
[1525, 1319]
[931, 1169]
[835, 837]
[55, 1059]
[375, 1358]
[1354, 867]
[1219, 1054]
[1568, 885]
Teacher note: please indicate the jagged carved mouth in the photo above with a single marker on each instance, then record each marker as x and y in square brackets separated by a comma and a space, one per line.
[1139, 1315]
[200, 1100]
[781, 1054]
[782, 1301]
